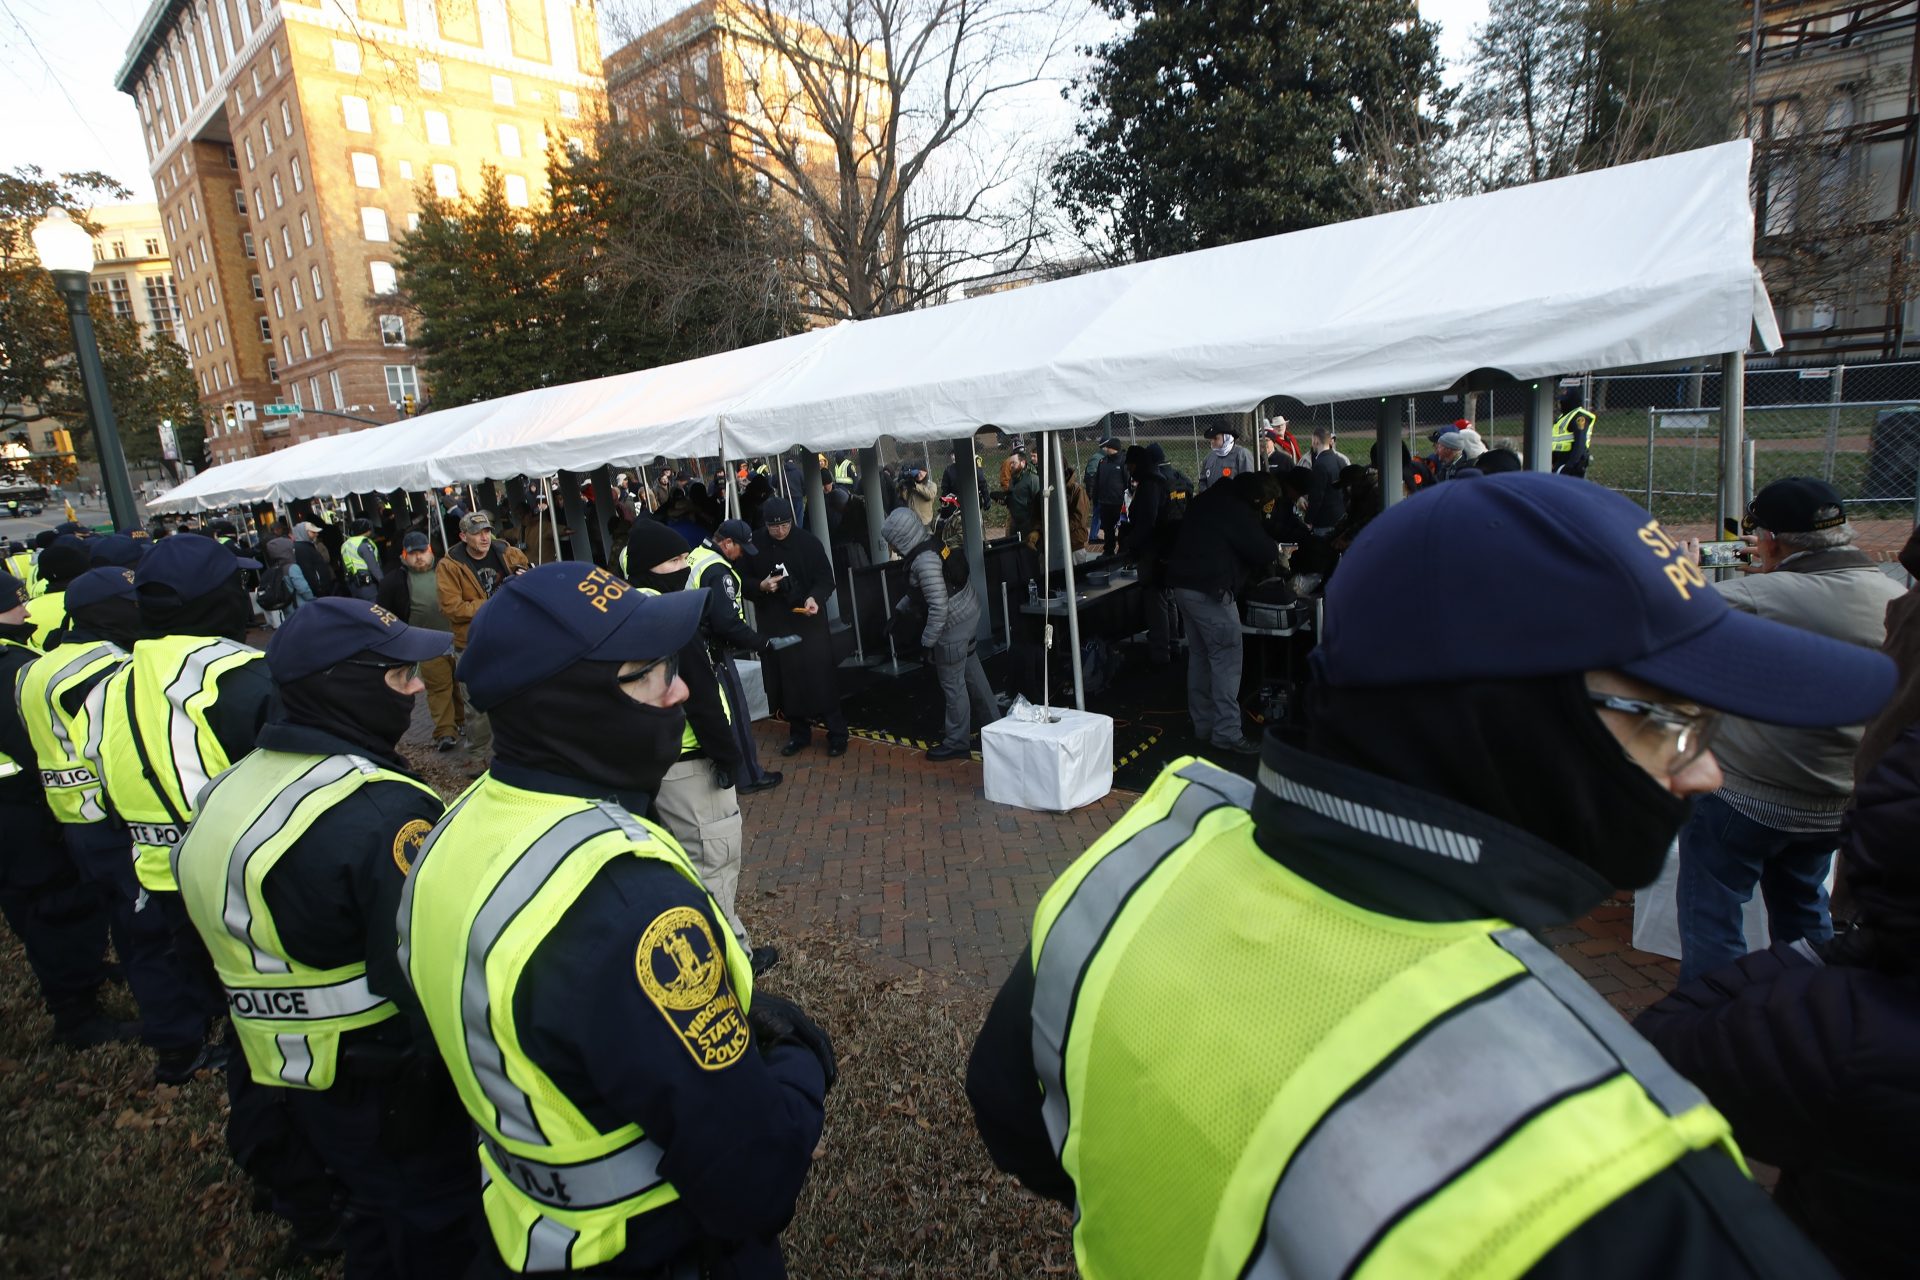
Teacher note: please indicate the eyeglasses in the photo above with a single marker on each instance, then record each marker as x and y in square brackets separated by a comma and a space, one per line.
[1670, 737]
[671, 662]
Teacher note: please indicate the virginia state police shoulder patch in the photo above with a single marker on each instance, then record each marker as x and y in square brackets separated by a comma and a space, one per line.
[684, 972]
[407, 842]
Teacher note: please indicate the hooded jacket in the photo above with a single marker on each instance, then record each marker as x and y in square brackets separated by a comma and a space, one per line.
[951, 617]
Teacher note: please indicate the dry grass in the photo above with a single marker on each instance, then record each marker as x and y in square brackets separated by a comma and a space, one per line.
[106, 1175]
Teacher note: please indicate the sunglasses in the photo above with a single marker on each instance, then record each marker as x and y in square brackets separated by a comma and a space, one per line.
[409, 671]
[1672, 737]
[671, 662]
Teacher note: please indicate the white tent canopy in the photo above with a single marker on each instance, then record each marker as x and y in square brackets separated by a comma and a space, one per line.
[1634, 265]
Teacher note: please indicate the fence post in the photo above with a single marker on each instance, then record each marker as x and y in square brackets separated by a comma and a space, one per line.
[1650, 425]
[1733, 400]
[1835, 396]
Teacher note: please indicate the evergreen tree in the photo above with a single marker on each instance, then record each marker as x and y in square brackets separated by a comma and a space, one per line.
[1209, 124]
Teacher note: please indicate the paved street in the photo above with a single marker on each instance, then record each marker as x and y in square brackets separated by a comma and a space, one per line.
[910, 856]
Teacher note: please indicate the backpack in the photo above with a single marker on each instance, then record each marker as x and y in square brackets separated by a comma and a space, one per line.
[950, 541]
[276, 589]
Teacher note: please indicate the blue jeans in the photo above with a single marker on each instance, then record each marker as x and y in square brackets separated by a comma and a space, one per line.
[1723, 855]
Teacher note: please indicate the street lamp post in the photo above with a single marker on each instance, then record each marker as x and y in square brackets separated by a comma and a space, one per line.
[66, 251]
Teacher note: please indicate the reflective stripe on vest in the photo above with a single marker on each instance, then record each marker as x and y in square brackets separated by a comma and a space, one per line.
[71, 784]
[355, 552]
[172, 681]
[558, 1191]
[25, 565]
[1564, 426]
[700, 559]
[1401, 1099]
[288, 1016]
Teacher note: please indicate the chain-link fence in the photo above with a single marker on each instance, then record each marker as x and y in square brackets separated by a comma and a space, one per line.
[1656, 438]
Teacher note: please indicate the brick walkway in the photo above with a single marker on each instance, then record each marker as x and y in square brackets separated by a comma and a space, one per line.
[910, 855]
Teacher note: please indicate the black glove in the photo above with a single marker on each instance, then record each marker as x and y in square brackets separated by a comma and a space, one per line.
[776, 643]
[722, 776]
[777, 1021]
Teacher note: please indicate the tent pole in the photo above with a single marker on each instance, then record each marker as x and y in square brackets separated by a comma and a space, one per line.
[973, 531]
[817, 522]
[439, 520]
[553, 517]
[875, 504]
[1733, 431]
[1392, 423]
[1073, 607]
[1539, 426]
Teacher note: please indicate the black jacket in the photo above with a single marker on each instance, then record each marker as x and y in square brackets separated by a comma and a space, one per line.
[1109, 487]
[738, 1140]
[1325, 503]
[809, 574]
[1698, 1218]
[1817, 1064]
[1220, 542]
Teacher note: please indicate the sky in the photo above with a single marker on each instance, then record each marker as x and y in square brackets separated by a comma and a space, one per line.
[63, 114]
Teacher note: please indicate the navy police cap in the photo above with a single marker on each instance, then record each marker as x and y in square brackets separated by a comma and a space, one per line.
[189, 567]
[543, 621]
[117, 550]
[13, 593]
[331, 630]
[95, 585]
[1574, 577]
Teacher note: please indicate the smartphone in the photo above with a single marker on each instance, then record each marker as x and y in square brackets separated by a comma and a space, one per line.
[1722, 555]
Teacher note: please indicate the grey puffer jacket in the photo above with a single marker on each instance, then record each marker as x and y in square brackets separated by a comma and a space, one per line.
[951, 618]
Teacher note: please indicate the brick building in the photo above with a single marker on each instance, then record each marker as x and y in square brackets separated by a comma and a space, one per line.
[718, 71]
[287, 141]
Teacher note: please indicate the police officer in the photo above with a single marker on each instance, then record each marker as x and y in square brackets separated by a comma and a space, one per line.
[64, 560]
[639, 1106]
[360, 556]
[1302, 1027]
[103, 622]
[711, 567]
[1572, 436]
[189, 702]
[291, 873]
[59, 920]
[697, 801]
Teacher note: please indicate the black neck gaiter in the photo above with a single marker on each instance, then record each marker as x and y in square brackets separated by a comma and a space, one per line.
[1530, 753]
[581, 724]
[21, 632]
[350, 700]
[224, 611]
[115, 620]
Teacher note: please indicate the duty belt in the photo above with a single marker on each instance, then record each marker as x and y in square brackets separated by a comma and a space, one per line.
[590, 1184]
[156, 833]
[301, 1004]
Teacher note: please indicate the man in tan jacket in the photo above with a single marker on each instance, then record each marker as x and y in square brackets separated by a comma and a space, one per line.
[469, 574]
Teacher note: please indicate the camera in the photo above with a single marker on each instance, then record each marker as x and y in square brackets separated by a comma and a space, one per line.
[1722, 555]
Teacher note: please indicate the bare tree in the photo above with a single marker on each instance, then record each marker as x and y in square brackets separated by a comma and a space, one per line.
[888, 130]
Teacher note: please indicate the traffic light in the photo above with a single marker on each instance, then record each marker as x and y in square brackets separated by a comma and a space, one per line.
[63, 442]
[406, 405]
[233, 417]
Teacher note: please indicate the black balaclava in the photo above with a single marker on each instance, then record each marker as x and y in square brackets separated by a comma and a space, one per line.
[115, 620]
[651, 543]
[581, 724]
[350, 700]
[225, 611]
[1532, 753]
[22, 632]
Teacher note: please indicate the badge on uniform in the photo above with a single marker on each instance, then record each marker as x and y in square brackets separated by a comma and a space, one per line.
[407, 842]
[683, 971]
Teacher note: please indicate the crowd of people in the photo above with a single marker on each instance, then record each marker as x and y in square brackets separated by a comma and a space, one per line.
[1299, 1024]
